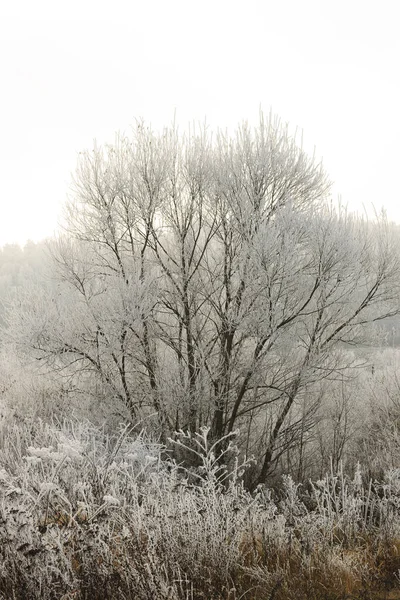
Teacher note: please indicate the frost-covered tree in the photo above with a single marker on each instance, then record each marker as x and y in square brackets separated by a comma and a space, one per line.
[208, 279]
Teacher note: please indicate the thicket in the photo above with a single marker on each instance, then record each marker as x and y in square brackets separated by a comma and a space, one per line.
[92, 516]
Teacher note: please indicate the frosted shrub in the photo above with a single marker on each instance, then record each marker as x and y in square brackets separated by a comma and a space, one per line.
[208, 462]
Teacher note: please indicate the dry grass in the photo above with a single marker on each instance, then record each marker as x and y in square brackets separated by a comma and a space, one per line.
[87, 516]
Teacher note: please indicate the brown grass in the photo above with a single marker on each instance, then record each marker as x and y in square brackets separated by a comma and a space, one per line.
[92, 529]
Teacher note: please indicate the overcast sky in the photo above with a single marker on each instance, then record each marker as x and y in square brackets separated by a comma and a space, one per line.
[75, 71]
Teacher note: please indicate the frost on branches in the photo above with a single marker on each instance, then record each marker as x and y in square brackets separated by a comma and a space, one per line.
[208, 280]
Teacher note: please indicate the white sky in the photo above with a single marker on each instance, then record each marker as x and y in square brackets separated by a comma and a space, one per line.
[74, 71]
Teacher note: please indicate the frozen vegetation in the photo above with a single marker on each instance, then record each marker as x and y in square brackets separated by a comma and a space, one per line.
[93, 516]
[199, 391]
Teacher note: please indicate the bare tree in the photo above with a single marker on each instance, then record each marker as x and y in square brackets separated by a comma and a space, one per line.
[210, 280]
